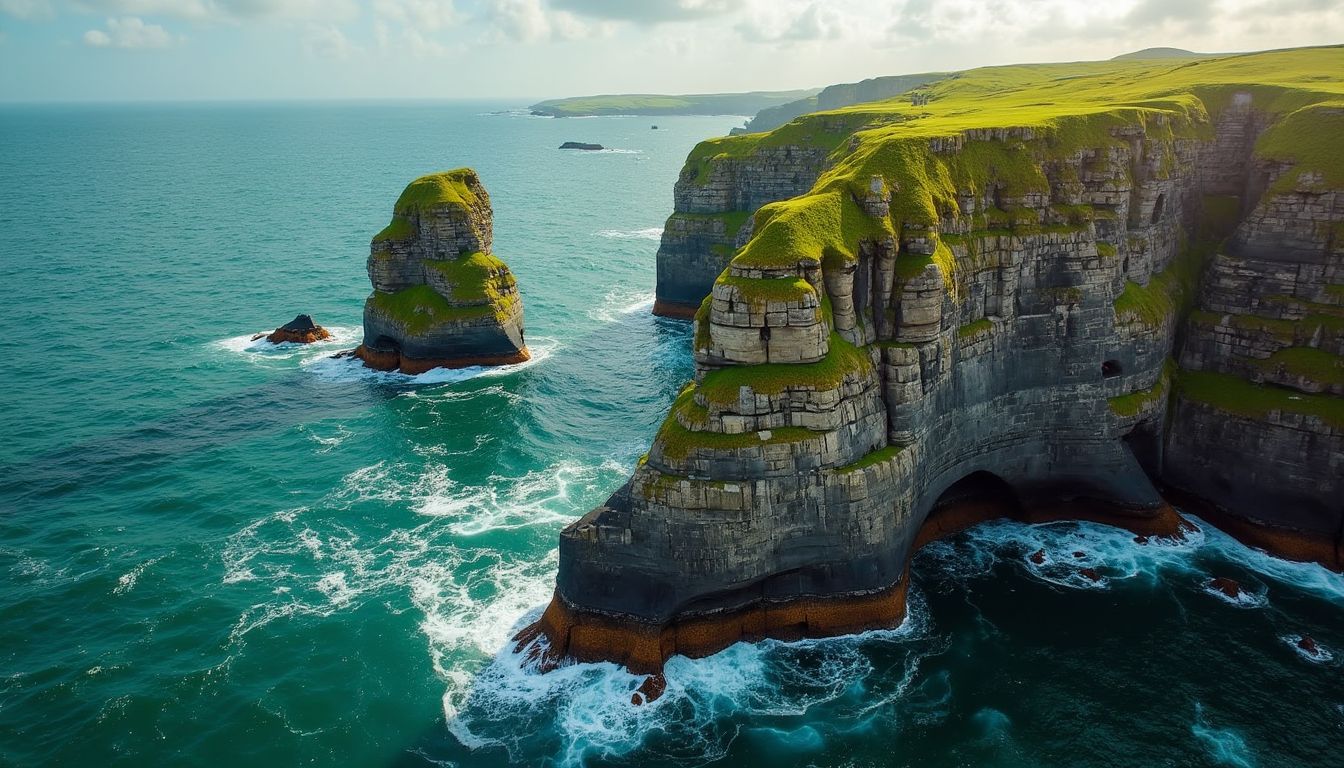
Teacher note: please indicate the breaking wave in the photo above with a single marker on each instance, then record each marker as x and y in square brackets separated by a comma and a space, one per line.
[622, 303]
[648, 233]
[258, 349]
[349, 368]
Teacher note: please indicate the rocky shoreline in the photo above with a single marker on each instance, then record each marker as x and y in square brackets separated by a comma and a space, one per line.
[1050, 321]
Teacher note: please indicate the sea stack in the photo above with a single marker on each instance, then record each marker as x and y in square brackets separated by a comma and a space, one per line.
[440, 298]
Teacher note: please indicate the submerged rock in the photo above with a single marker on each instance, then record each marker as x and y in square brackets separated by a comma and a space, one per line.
[581, 145]
[300, 330]
[1309, 645]
[1229, 587]
[1038, 557]
[440, 298]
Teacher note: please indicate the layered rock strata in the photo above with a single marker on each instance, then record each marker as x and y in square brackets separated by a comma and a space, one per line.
[713, 202]
[1059, 319]
[440, 297]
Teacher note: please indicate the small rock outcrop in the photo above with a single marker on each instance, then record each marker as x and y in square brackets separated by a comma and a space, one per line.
[300, 330]
[581, 145]
[1228, 587]
[440, 298]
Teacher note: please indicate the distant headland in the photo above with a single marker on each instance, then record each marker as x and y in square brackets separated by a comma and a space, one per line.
[660, 104]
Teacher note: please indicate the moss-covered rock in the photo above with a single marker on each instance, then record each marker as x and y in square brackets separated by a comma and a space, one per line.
[441, 298]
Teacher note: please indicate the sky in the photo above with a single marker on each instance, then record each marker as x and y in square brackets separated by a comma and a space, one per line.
[134, 50]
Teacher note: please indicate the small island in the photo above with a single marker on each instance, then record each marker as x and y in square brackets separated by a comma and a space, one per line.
[581, 145]
[441, 299]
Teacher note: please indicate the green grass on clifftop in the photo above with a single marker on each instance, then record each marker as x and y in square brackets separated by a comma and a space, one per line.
[475, 277]
[1314, 364]
[1043, 111]
[420, 308]
[1238, 396]
[721, 387]
[447, 188]
[677, 442]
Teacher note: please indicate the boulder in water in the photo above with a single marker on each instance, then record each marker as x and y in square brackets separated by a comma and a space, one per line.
[649, 690]
[300, 330]
[1226, 586]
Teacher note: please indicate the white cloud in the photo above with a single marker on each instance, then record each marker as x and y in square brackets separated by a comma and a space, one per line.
[649, 11]
[814, 22]
[428, 15]
[27, 9]
[519, 19]
[225, 10]
[529, 21]
[129, 32]
[328, 41]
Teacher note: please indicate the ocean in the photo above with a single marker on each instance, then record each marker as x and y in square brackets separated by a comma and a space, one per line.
[214, 550]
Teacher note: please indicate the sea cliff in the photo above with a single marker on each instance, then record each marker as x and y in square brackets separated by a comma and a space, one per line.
[440, 297]
[1043, 292]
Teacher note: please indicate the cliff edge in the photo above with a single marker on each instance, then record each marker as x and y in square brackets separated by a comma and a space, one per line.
[440, 297]
[1042, 292]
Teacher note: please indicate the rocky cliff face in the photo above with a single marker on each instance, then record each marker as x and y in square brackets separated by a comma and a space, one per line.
[1060, 319]
[713, 202]
[440, 297]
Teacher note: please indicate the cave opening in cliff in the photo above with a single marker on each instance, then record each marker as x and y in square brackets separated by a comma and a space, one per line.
[1110, 369]
[976, 497]
[1157, 208]
[386, 344]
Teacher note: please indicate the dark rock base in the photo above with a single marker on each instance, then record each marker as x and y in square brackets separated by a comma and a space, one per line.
[573, 633]
[643, 647]
[1323, 549]
[674, 310]
[395, 361]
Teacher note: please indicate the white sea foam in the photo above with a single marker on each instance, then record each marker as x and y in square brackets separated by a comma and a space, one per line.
[126, 582]
[1224, 746]
[1115, 556]
[1321, 655]
[328, 442]
[621, 304]
[258, 349]
[311, 562]
[1243, 599]
[648, 233]
[587, 707]
[348, 368]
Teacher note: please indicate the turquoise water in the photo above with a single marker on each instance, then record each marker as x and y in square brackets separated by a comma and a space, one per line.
[216, 550]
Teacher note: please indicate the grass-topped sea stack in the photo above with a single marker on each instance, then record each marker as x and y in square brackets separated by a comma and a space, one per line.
[440, 298]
